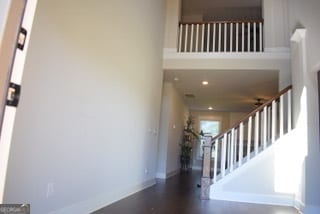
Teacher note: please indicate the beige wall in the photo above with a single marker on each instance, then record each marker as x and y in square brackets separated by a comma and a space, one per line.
[173, 116]
[86, 129]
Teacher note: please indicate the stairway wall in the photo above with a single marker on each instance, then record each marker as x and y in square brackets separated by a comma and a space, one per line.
[268, 178]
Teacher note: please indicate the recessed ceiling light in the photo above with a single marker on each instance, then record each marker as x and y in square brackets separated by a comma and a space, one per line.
[176, 79]
[205, 82]
[210, 108]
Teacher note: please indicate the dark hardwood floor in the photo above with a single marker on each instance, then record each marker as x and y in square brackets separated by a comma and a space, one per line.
[180, 195]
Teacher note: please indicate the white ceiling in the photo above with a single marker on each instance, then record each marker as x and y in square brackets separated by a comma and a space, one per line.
[227, 90]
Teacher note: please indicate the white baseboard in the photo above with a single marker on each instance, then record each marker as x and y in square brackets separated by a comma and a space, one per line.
[283, 200]
[299, 205]
[167, 175]
[103, 200]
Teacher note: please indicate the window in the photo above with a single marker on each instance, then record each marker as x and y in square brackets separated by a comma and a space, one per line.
[209, 128]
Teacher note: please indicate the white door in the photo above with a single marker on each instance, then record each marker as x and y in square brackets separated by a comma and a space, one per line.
[15, 25]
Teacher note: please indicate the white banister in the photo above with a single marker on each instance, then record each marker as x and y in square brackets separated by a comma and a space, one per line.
[249, 137]
[231, 37]
[228, 147]
[242, 37]
[202, 37]
[180, 37]
[191, 39]
[265, 118]
[215, 166]
[219, 38]
[208, 37]
[237, 37]
[256, 133]
[240, 143]
[254, 37]
[281, 116]
[248, 38]
[223, 155]
[186, 38]
[260, 37]
[214, 38]
[273, 124]
[289, 109]
[229, 150]
[197, 38]
[225, 37]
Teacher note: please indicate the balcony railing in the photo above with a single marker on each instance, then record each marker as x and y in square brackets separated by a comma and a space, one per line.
[221, 36]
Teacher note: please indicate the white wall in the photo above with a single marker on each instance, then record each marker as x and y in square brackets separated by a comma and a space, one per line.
[173, 13]
[4, 7]
[276, 31]
[269, 178]
[173, 116]
[305, 64]
[91, 94]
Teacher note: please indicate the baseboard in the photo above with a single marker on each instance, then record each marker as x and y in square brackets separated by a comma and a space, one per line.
[283, 200]
[167, 175]
[299, 205]
[100, 201]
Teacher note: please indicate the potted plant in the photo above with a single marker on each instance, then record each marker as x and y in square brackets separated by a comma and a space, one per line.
[186, 146]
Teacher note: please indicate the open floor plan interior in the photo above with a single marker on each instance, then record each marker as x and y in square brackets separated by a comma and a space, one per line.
[99, 98]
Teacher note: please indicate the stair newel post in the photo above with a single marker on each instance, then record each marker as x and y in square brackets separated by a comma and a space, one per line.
[205, 179]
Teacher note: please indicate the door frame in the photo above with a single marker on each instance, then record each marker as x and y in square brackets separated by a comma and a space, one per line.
[16, 71]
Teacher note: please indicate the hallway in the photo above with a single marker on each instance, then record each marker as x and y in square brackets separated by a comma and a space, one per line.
[180, 195]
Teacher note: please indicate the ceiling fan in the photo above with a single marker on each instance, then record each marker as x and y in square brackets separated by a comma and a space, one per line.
[258, 101]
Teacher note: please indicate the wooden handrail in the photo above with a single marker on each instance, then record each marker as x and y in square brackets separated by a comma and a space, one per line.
[260, 108]
[227, 21]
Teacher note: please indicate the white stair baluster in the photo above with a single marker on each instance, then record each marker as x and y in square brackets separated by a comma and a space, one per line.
[180, 37]
[191, 39]
[249, 138]
[215, 166]
[186, 38]
[240, 144]
[256, 134]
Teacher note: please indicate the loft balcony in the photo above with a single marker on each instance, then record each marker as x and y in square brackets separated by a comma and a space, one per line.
[236, 29]
[220, 36]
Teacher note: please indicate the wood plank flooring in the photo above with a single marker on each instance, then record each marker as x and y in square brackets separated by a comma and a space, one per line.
[180, 195]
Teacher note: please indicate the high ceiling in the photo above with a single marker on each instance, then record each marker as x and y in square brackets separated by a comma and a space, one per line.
[227, 90]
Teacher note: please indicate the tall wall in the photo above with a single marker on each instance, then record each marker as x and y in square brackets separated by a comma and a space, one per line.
[276, 31]
[305, 65]
[173, 116]
[86, 129]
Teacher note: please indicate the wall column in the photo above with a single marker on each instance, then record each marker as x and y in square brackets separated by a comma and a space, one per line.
[276, 25]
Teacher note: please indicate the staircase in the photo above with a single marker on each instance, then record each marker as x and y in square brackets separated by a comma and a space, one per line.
[246, 140]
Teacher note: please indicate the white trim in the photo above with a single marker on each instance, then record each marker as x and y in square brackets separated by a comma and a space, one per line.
[161, 175]
[170, 54]
[299, 205]
[104, 199]
[277, 50]
[169, 50]
[283, 200]
[298, 35]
